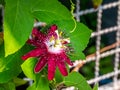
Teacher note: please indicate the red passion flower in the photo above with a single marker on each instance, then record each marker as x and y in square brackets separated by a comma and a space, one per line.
[51, 51]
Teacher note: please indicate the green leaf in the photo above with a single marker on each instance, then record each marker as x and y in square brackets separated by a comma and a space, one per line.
[10, 65]
[95, 87]
[18, 23]
[79, 40]
[32, 87]
[28, 68]
[58, 76]
[1, 41]
[65, 25]
[7, 86]
[40, 81]
[77, 80]
[19, 81]
[2, 2]
[42, 84]
[49, 12]
[2, 52]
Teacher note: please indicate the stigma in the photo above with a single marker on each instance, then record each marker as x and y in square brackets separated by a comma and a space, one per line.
[56, 44]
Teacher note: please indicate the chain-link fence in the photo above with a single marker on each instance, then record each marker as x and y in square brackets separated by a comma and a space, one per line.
[108, 24]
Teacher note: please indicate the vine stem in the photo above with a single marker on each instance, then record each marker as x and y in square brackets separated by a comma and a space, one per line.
[72, 10]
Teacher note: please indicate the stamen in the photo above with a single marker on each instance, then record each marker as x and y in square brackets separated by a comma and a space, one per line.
[60, 34]
[52, 38]
[65, 41]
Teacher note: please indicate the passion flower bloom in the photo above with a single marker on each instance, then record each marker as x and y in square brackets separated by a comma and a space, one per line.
[51, 51]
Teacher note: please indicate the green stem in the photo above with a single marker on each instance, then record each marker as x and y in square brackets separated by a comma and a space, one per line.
[72, 10]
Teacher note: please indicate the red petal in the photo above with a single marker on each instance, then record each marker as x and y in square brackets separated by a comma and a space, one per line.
[33, 42]
[34, 53]
[40, 65]
[62, 68]
[66, 59]
[53, 28]
[51, 68]
[51, 31]
[38, 34]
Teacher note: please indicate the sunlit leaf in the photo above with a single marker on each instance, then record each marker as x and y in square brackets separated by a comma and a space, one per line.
[40, 81]
[95, 87]
[19, 81]
[79, 40]
[7, 86]
[55, 12]
[18, 23]
[10, 65]
[28, 68]
[77, 80]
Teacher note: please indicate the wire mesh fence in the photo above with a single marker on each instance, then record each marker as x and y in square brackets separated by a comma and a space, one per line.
[112, 49]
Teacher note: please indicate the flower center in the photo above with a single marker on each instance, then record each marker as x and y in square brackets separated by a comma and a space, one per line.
[55, 45]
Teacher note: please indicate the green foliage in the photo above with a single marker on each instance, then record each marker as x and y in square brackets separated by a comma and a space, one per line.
[18, 23]
[42, 83]
[30, 63]
[58, 76]
[79, 39]
[40, 80]
[95, 87]
[2, 2]
[77, 80]
[7, 86]
[10, 65]
[55, 12]
[18, 81]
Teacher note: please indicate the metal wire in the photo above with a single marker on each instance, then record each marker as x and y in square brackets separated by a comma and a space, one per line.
[117, 55]
[77, 9]
[92, 10]
[105, 31]
[98, 35]
[105, 76]
[98, 41]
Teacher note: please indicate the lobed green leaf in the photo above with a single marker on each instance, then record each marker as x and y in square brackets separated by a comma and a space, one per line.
[10, 65]
[95, 87]
[40, 81]
[28, 68]
[79, 39]
[49, 12]
[7, 86]
[18, 23]
[77, 80]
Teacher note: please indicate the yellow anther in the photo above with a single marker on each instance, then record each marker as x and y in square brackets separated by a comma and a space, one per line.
[57, 42]
[60, 34]
[52, 38]
[63, 47]
[65, 40]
